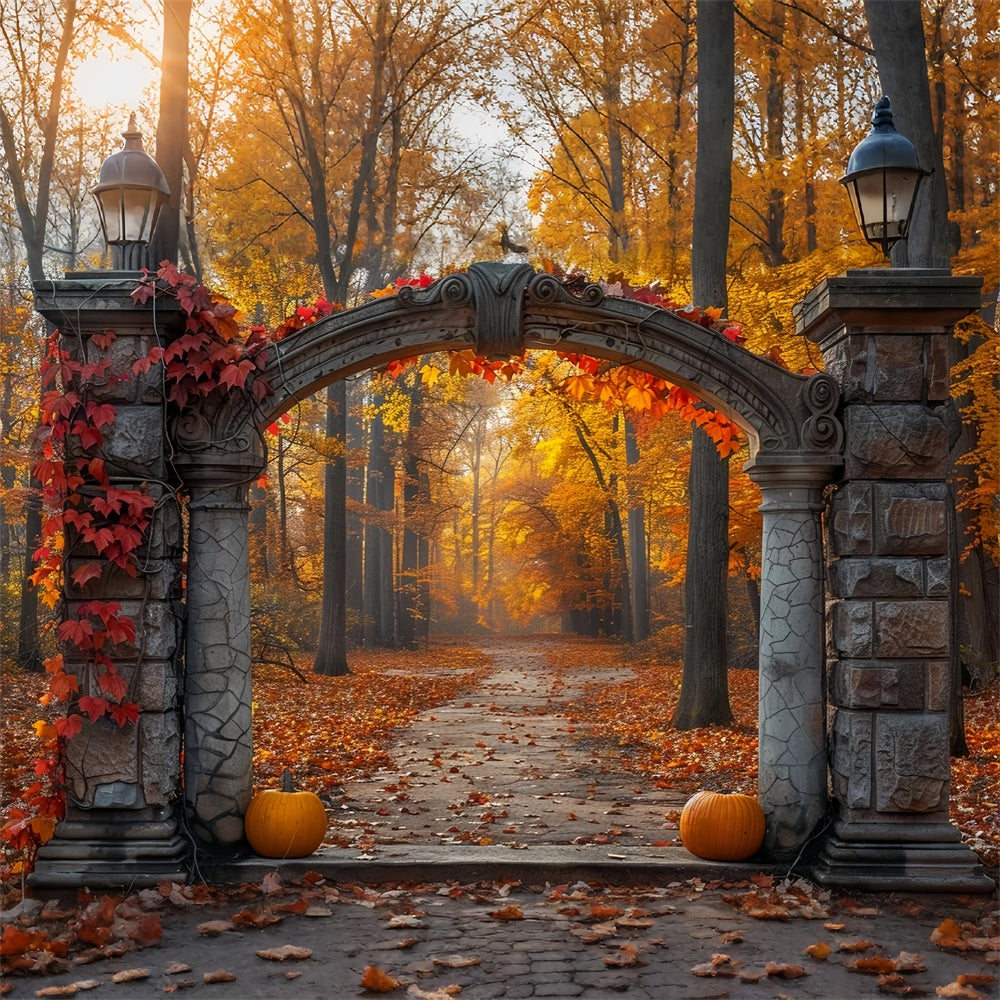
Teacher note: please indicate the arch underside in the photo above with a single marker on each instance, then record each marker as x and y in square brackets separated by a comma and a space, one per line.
[781, 413]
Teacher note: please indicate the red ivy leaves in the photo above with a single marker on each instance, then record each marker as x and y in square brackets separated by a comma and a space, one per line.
[210, 354]
[642, 393]
[84, 514]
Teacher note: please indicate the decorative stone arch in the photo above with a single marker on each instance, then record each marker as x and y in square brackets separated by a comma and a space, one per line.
[874, 430]
[499, 311]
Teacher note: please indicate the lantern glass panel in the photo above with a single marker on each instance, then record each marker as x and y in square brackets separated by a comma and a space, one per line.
[882, 201]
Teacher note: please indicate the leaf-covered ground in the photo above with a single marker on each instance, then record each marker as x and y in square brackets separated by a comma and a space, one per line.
[329, 730]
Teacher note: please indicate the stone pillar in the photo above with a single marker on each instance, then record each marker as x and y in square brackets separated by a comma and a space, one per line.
[218, 461]
[792, 770]
[884, 337]
[122, 822]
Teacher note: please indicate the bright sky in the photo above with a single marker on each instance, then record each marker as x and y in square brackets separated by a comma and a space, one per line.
[103, 82]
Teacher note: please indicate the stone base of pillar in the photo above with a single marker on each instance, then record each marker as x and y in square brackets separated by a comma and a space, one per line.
[113, 849]
[886, 865]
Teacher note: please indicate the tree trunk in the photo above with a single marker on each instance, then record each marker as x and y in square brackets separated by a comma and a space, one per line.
[704, 697]
[355, 549]
[897, 34]
[171, 130]
[331, 654]
[775, 96]
[638, 563]
[379, 598]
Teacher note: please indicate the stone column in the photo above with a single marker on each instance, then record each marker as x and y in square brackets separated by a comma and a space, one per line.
[218, 460]
[122, 822]
[884, 337]
[792, 770]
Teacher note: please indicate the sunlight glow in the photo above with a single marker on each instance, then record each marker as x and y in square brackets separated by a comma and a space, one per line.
[105, 83]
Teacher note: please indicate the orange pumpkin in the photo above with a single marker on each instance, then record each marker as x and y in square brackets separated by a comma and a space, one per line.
[720, 826]
[284, 823]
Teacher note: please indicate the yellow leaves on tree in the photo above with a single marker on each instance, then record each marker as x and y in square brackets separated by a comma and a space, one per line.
[976, 384]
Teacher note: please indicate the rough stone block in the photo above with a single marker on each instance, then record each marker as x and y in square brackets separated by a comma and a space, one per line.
[854, 578]
[911, 520]
[157, 632]
[938, 578]
[911, 628]
[938, 686]
[912, 770]
[851, 527]
[898, 373]
[102, 753]
[103, 762]
[160, 580]
[154, 685]
[875, 684]
[123, 386]
[851, 629]
[938, 370]
[895, 442]
[133, 445]
[851, 758]
[160, 742]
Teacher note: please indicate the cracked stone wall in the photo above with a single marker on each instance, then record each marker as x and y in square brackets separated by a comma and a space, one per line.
[890, 551]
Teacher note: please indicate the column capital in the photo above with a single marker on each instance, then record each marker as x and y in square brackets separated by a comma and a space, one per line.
[92, 301]
[783, 478]
[894, 300]
[218, 444]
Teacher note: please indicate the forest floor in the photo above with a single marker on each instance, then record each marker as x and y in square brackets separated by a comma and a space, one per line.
[513, 747]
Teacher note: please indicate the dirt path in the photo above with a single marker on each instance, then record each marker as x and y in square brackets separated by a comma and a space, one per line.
[502, 765]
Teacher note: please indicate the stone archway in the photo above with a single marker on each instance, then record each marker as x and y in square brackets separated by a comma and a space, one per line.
[872, 430]
[500, 310]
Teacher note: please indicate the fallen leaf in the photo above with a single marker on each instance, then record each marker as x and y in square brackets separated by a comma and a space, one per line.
[897, 986]
[174, 968]
[405, 920]
[948, 934]
[785, 970]
[219, 976]
[378, 981]
[876, 964]
[511, 912]
[210, 928]
[975, 979]
[956, 989]
[257, 916]
[854, 945]
[820, 950]
[441, 993]
[456, 961]
[720, 965]
[908, 961]
[626, 955]
[66, 990]
[284, 952]
[732, 937]
[130, 975]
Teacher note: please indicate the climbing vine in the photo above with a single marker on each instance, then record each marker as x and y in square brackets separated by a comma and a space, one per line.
[93, 527]
[642, 393]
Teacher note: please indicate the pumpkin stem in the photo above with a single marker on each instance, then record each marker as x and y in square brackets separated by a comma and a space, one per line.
[286, 781]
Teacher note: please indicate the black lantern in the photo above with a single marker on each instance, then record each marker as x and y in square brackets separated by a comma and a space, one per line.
[129, 195]
[882, 180]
